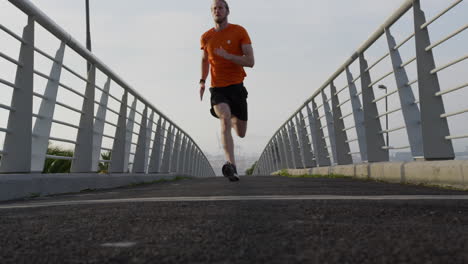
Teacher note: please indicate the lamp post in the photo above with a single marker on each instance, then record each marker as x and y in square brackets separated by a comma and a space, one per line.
[386, 111]
[88, 31]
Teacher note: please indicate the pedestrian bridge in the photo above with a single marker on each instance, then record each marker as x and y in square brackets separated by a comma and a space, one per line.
[119, 137]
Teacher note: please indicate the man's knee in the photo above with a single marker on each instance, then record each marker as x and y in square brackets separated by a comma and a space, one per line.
[240, 127]
[241, 134]
[226, 124]
[222, 111]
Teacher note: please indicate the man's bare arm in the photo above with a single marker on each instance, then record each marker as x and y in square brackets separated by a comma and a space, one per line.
[246, 60]
[205, 67]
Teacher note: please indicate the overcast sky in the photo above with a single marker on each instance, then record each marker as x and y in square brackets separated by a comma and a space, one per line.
[154, 46]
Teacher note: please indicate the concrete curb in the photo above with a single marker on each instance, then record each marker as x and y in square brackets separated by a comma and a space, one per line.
[15, 186]
[449, 173]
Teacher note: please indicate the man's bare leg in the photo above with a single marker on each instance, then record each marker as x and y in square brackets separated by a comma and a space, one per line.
[223, 111]
[239, 126]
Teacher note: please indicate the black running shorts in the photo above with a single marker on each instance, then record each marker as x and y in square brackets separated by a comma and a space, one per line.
[235, 96]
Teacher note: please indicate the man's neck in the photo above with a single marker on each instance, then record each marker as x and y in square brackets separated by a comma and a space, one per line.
[221, 26]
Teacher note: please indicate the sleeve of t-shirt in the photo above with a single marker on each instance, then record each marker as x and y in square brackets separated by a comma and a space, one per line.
[245, 39]
[202, 42]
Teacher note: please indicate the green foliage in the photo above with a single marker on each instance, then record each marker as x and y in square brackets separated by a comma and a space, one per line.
[56, 165]
[34, 195]
[104, 166]
[177, 178]
[64, 166]
[250, 170]
[331, 176]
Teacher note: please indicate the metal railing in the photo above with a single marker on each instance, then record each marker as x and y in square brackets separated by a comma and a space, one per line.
[137, 136]
[344, 126]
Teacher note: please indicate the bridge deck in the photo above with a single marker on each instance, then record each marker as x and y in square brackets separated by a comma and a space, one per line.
[259, 219]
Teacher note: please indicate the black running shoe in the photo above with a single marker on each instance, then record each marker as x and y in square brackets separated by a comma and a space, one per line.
[230, 171]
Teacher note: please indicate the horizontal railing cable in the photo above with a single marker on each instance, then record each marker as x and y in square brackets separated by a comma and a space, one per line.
[385, 95]
[447, 38]
[408, 62]
[69, 107]
[443, 67]
[381, 78]
[66, 87]
[11, 33]
[43, 53]
[7, 107]
[377, 62]
[395, 148]
[7, 83]
[4, 130]
[10, 59]
[62, 140]
[456, 137]
[454, 113]
[404, 41]
[392, 130]
[342, 89]
[59, 157]
[423, 26]
[452, 89]
[65, 124]
[389, 112]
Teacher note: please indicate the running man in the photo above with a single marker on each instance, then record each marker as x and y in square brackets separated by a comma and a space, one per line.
[227, 49]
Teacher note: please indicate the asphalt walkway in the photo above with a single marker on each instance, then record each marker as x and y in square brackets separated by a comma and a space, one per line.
[256, 220]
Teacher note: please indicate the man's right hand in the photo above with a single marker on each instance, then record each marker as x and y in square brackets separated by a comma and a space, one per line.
[202, 91]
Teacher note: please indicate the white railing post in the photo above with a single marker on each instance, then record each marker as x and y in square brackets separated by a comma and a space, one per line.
[118, 148]
[156, 153]
[318, 141]
[306, 149]
[358, 114]
[19, 138]
[129, 134]
[187, 158]
[83, 158]
[296, 158]
[99, 124]
[374, 140]
[183, 154]
[276, 150]
[149, 131]
[43, 125]
[287, 148]
[140, 154]
[165, 166]
[330, 125]
[410, 109]
[342, 147]
[434, 128]
[175, 153]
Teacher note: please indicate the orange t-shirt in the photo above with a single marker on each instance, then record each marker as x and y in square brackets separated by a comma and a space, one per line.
[224, 72]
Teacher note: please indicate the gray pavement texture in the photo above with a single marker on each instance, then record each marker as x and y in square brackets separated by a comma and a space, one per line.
[243, 231]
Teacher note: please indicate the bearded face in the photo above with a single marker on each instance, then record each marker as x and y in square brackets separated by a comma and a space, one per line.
[219, 12]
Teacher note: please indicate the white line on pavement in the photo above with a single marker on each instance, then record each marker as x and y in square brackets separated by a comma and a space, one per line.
[236, 198]
[119, 244]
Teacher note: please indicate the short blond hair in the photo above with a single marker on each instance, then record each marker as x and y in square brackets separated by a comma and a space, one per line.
[225, 4]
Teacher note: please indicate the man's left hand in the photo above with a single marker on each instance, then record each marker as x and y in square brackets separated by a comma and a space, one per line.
[222, 53]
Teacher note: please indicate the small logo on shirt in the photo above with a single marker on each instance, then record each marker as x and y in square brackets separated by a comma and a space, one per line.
[229, 42]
